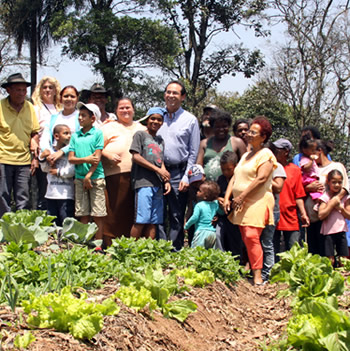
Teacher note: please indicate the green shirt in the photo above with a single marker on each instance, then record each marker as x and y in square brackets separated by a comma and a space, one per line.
[85, 145]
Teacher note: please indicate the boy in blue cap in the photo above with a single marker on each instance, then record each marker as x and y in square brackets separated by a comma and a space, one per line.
[148, 175]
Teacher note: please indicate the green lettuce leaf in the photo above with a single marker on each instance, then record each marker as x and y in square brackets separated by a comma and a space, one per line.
[78, 232]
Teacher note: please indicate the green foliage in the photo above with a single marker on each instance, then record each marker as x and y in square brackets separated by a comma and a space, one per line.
[136, 298]
[64, 312]
[26, 226]
[196, 279]
[317, 324]
[78, 232]
[23, 341]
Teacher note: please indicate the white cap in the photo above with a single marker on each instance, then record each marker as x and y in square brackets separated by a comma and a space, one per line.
[92, 108]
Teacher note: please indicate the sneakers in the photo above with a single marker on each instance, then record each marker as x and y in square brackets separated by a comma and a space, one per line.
[98, 249]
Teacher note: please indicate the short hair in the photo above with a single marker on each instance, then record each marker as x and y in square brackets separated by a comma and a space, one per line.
[238, 122]
[334, 172]
[211, 190]
[313, 130]
[265, 126]
[229, 157]
[305, 142]
[219, 115]
[69, 87]
[325, 146]
[125, 98]
[36, 96]
[182, 85]
[59, 127]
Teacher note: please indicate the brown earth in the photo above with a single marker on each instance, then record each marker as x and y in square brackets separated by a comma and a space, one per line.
[240, 317]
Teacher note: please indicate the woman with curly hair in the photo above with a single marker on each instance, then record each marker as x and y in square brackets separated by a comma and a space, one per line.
[46, 101]
[251, 187]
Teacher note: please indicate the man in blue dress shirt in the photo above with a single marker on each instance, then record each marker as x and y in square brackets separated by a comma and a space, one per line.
[180, 132]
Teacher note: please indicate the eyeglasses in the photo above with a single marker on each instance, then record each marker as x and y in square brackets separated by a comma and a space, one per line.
[252, 132]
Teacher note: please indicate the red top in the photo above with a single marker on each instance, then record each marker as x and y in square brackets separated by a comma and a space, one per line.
[292, 189]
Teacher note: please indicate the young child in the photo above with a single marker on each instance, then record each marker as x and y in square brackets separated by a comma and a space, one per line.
[203, 214]
[333, 210]
[309, 168]
[226, 232]
[196, 177]
[85, 151]
[148, 175]
[60, 187]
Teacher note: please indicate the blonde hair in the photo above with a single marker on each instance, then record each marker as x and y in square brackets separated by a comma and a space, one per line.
[36, 96]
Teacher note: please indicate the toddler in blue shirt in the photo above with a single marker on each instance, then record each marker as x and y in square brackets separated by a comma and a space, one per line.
[203, 214]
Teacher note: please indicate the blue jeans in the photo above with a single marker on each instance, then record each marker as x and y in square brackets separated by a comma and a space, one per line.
[16, 179]
[174, 211]
[290, 237]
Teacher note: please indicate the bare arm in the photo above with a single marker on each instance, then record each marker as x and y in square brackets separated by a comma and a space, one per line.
[345, 210]
[263, 174]
[277, 184]
[141, 161]
[307, 166]
[228, 195]
[111, 156]
[201, 152]
[93, 158]
[238, 146]
[326, 208]
[304, 217]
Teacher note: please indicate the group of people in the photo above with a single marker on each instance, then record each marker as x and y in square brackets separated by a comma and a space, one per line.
[168, 175]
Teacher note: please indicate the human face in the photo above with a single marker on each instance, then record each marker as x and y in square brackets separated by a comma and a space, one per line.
[242, 130]
[99, 99]
[154, 122]
[125, 112]
[17, 92]
[309, 151]
[85, 120]
[69, 99]
[201, 193]
[47, 92]
[173, 98]
[63, 136]
[282, 156]
[254, 138]
[335, 183]
[227, 170]
[221, 129]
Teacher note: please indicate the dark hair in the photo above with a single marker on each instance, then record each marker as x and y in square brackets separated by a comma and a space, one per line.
[183, 89]
[69, 87]
[211, 190]
[229, 157]
[332, 173]
[86, 109]
[305, 142]
[325, 146]
[238, 122]
[265, 126]
[219, 115]
[59, 127]
[125, 98]
[313, 130]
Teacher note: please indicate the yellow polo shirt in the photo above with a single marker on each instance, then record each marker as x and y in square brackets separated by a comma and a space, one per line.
[15, 132]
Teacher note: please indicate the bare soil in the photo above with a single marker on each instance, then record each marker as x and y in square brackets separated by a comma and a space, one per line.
[239, 317]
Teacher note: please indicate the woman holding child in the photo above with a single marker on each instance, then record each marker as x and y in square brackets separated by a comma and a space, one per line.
[117, 162]
[251, 187]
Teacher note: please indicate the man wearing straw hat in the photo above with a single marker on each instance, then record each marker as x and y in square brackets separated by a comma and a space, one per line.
[18, 143]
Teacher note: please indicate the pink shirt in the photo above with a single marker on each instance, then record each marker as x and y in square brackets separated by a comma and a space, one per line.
[335, 222]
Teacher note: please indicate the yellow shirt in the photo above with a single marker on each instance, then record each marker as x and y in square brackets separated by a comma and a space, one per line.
[16, 129]
[255, 204]
[118, 139]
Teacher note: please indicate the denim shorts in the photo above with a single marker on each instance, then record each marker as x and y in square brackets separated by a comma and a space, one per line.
[149, 205]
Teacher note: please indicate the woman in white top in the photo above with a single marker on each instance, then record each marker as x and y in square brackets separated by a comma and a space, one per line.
[69, 97]
[46, 103]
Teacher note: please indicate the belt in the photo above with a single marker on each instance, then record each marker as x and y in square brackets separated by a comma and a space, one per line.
[180, 165]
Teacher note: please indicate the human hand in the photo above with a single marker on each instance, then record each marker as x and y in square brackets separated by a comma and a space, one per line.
[315, 187]
[167, 188]
[183, 186]
[115, 158]
[34, 165]
[51, 159]
[87, 183]
[238, 203]
[53, 171]
[93, 159]
[227, 206]
[34, 147]
[221, 201]
[164, 174]
[305, 221]
[45, 153]
[214, 220]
